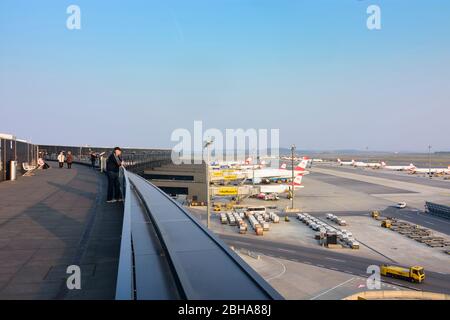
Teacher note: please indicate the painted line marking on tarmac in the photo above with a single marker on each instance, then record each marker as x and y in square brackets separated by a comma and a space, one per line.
[307, 262]
[432, 218]
[286, 250]
[401, 285]
[335, 287]
[283, 271]
[333, 259]
[320, 266]
[429, 223]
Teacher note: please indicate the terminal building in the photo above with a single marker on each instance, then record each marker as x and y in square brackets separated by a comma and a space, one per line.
[185, 179]
[190, 180]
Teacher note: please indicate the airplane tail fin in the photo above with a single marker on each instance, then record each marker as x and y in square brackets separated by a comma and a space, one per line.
[283, 166]
[339, 160]
[298, 180]
[249, 160]
[301, 166]
[383, 164]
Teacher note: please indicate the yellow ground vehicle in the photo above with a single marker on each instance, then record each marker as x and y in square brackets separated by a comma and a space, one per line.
[220, 206]
[413, 274]
[386, 224]
[230, 205]
[375, 214]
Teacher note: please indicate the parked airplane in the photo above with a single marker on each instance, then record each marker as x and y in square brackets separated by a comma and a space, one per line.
[375, 165]
[276, 174]
[396, 168]
[345, 163]
[282, 188]
[414, 170]
[238, 165]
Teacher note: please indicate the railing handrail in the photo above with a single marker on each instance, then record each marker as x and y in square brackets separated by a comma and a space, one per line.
[125, 274]
[257, 286]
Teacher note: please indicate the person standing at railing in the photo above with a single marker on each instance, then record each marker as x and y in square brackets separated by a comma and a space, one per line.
[113, 164]
[69, 160]
[93, 159]
[61, 159]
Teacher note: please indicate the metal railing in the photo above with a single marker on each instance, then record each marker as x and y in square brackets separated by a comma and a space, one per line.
[167, 254]
[125, 286]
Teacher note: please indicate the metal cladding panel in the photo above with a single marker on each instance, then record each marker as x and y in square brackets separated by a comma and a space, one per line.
[184, 236]
[206, 268]
[211, 276]
[144, 237]
[153, 279]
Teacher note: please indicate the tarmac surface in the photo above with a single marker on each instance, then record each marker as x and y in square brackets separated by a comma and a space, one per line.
[333, 260]
[410, 215]
[390, 174]
[52, 220]
[352, 194]
[300, 281]
[357, 185]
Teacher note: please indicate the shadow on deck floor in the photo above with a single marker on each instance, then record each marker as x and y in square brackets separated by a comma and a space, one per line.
[54, 219]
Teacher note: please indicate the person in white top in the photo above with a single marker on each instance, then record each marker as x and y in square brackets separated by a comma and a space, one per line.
[61, 159]
[42, 164]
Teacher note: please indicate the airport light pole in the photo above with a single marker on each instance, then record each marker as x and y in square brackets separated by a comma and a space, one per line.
[292, 184]
[253, 172]
[367, 154]
[207, 144]
[429, 161]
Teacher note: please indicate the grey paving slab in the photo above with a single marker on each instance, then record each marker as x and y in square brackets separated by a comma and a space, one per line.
[52, 220]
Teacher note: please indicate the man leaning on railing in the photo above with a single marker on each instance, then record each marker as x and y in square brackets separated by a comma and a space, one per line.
[113, 164]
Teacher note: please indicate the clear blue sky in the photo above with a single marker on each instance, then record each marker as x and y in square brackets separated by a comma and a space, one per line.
[137, 70]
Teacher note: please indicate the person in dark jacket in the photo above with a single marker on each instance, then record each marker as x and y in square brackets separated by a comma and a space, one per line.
[113, 164]
[93, 159]
[69, 160]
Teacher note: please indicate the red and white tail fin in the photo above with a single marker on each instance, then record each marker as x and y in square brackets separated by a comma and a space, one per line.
[249, 160]
[283, 166]
[298, 180]
[383, 164]
[339, 160]
[302, 165]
